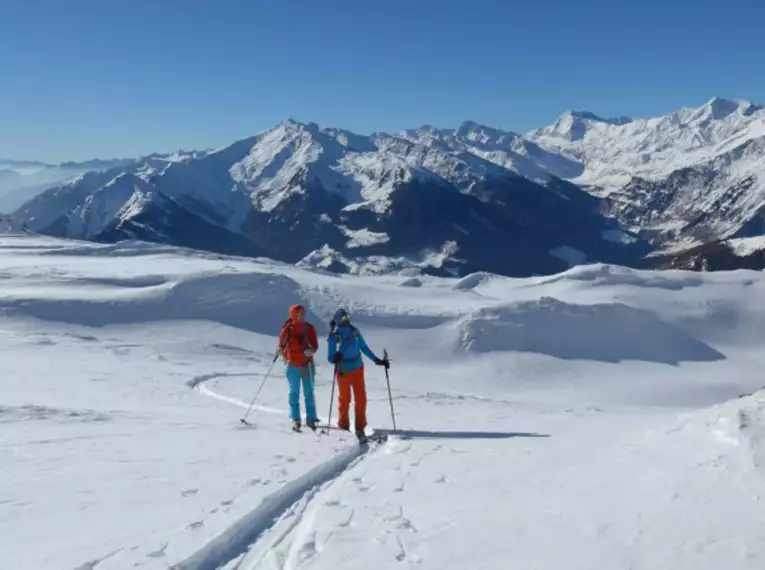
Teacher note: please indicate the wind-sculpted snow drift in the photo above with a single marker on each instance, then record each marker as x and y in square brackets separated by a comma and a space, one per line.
[254, 302]
[609, 332]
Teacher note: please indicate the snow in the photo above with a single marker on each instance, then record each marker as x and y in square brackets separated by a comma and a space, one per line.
[328, 259]
[618, 236]
[363, 237]
[747, 246]
[612, 151]
[636, 164]
[597, 418]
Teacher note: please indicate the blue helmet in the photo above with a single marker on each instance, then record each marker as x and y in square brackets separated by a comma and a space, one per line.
[341, 317]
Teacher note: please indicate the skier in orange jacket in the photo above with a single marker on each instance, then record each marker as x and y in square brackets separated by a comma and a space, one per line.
[345, 347]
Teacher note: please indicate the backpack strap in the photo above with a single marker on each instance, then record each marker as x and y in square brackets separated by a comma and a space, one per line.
[339, 340]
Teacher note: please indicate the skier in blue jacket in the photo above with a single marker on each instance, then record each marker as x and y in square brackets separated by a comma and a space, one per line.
[345, 346]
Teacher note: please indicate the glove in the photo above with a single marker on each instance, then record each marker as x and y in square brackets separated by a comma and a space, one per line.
[337, 358]
[383, 362]
[332, 325]
[309, 352]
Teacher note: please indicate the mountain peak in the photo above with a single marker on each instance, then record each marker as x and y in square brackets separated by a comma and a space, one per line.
[719, 107]
[574, 125]
[588, 116]
[471, 128]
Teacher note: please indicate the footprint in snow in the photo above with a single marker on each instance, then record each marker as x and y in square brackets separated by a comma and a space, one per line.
[189, 492]
[406, 524]
[158, 553]
[287, 459]
[227, 503]
[196, 525]
[441, 479]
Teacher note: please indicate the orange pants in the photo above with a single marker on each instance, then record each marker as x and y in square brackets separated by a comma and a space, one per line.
[353, 380]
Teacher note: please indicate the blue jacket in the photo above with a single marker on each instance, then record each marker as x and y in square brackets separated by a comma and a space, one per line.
[349, 342]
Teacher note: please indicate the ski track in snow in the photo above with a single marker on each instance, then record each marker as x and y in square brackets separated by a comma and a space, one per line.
[291, 500]
[294, 496]
[198, 383]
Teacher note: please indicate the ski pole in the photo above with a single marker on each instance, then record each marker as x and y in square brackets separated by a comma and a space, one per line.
[268, 373]
[331, 400]
[390, 397]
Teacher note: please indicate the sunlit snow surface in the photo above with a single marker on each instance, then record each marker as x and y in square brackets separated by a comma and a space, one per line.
[590, 419]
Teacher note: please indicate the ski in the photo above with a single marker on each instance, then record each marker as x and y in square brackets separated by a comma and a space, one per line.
[375, 437]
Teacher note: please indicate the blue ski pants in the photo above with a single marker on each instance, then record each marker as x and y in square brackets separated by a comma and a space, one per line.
[296, 376]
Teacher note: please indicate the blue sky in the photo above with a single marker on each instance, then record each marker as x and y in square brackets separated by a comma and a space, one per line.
[107, 78]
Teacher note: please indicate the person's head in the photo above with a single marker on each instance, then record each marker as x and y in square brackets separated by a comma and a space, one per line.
[297, 313]
[342, 318]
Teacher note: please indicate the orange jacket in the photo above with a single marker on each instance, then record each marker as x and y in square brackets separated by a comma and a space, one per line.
[296, 337]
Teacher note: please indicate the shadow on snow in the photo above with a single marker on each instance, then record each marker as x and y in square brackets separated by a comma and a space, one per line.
[426, 434]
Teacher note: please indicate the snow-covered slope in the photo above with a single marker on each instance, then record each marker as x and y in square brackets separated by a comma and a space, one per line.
[721, 198]
[504, 148]
[297, 190]
[612, 151]
[724, 255]
[690, 177]
[589, 419]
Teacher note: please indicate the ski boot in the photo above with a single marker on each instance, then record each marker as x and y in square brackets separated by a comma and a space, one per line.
[361, 435]
[296, 426]
[313, 424]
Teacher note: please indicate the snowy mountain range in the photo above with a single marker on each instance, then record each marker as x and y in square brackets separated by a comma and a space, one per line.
[441, 200]
[22, 180]
[691, 176]
[300, 193]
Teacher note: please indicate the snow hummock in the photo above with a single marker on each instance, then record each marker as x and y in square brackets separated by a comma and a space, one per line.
[594, 418]
[610, 332]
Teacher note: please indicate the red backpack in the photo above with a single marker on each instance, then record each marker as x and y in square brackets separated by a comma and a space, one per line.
[294, 344]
